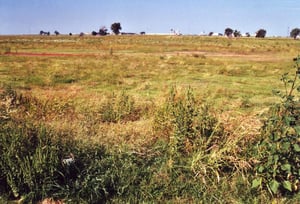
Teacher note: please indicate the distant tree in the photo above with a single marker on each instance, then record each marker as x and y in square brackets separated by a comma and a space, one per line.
[228, 32]
[94, 33]
[56, 32]
[103, 31]
[44, 33]
[81, 34]
[295, 32]
[237, 34]
[261, 33]
[70, 34]
[210, 33]
[116, 27]
[248, 35]
[143, 33]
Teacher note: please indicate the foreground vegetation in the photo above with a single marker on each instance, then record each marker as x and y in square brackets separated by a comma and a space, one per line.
[149, 118]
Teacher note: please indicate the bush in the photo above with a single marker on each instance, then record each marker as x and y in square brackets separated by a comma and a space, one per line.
[278, 151]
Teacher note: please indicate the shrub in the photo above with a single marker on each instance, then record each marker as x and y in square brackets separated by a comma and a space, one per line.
[278, 151]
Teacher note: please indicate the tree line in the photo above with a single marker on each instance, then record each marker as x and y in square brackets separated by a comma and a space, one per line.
[261, 33]
[115, 28]
[229, 32]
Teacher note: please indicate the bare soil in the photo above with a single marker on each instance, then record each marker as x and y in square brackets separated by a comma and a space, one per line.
[33, 54]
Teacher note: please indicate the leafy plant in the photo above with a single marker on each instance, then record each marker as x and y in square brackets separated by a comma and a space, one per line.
[278, 151]
[185, 122]
[183, 112]
[119, 108]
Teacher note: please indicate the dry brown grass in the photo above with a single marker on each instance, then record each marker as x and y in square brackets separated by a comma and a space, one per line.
[235, 75]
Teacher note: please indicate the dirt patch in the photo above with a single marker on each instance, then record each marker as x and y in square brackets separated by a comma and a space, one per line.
[32, 54]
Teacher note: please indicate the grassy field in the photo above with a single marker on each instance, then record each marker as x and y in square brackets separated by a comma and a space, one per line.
[123, 93]
[234, 75]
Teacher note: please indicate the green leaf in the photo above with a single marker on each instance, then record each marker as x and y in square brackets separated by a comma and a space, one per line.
[297, 129]
[261, 169]
[256, 183]
[296, 147]
[286, 146]
[286, 167]
[287, 120]
[276, 158]
[274, 185]
[287, 185]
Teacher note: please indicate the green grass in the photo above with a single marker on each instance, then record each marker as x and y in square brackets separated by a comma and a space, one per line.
[117, 102]
[225, 72]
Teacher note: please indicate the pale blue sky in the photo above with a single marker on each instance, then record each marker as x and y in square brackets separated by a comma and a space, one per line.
[151, 16]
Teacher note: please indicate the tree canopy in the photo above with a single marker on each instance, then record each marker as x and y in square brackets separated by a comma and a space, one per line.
[94, 33]
[103, 31]
[237, 33]
[228, 32]
[295, 32]
[44, 33]
[116, 27]
[261, 33]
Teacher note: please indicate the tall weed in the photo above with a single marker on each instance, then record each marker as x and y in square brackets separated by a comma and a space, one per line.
[278, 151]
[186, 123]
[119, 108]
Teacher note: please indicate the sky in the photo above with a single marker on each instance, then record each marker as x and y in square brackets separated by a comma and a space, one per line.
[278, 17]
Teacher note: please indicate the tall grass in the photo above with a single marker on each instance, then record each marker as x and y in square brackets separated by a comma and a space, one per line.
[196, 161]
[147, 142]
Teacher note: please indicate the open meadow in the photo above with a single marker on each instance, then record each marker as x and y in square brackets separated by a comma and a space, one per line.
[147, 118]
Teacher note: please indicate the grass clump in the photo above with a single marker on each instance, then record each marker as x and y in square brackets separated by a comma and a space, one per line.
[29, 162]
[188, 123]
[118, 108]
[33, 168]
